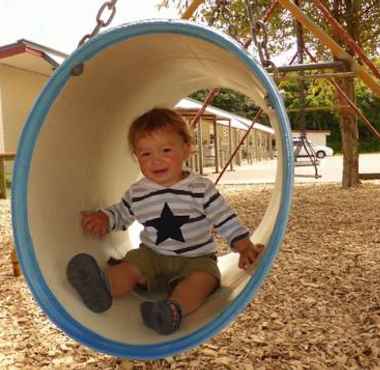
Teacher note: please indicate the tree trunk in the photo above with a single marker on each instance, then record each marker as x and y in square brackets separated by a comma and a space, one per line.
[348, 120]
[350, 136]
[301, 118]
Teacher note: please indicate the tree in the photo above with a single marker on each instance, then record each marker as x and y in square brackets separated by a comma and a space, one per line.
[230, 101]
[358, 17]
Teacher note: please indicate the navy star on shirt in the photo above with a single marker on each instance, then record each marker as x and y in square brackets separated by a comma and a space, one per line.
[168, 225]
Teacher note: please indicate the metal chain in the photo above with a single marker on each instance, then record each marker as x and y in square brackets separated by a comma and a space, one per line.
[213, 93]
[100, 23]
[260, 38]
[256, 26]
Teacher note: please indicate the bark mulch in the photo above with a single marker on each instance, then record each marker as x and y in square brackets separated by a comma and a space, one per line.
[319, 308]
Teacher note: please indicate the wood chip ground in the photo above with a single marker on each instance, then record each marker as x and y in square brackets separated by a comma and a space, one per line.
[319, 308]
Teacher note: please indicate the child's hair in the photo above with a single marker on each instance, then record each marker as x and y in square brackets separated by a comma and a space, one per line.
[156, 119]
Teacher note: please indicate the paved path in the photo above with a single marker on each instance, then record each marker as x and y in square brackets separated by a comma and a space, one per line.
[330, 168]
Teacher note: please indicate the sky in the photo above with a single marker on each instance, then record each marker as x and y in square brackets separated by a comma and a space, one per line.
[60, 24]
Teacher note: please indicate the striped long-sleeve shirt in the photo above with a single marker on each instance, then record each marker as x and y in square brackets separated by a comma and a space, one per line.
[177, 220]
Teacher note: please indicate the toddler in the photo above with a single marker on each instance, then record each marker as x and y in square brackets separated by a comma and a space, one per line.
[178, 210]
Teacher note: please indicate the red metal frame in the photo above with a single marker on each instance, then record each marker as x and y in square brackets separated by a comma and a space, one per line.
[351, 104]
[346, 37]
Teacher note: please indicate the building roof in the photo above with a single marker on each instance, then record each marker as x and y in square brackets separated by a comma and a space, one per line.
[33, 57]
[30, 56]
[223, 117]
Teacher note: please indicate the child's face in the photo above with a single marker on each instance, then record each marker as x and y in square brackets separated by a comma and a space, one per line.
[161, 156]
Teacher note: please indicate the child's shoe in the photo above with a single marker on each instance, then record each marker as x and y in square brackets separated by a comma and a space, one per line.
[164, 317]
[85, 275]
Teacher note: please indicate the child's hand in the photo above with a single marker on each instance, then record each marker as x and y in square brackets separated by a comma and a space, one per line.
[94, 223]
[248, 251]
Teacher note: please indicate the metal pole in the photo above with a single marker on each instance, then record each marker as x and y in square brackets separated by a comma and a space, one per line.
[230, 146]
[326, 75]
[216, 145]
[200, 149]
[307, 67]
[258, 114]
[346, 37]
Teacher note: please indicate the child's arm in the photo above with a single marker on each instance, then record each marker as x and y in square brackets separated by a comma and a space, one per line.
[229, 227]
[248, 251]
[116, 217]
[120, 215]
[95, 223]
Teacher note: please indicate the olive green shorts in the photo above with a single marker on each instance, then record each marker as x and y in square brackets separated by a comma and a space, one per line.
[163, 272]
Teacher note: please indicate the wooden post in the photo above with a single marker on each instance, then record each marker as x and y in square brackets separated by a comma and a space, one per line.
[350, 137]
[252, 146]
[216, 146]
[237, 140]
[196, 162]
[344, 35]
[3, 182]
[190, 10]
[200, 148]
[270, 146]
[230, 144]
[335, 48]
[14, 261]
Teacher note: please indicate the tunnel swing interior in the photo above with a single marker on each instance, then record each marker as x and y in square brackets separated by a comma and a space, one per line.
[73, 156]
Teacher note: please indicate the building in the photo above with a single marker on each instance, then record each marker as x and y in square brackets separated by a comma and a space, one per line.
[26, 66]
[24, 69]
[220, 134]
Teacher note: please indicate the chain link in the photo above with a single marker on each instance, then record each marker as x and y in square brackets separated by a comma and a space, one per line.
[260, 39]
[100, 22]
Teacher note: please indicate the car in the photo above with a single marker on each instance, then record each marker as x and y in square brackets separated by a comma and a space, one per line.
[321, 151]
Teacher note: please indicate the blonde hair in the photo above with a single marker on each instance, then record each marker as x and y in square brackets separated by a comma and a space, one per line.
[157, 119]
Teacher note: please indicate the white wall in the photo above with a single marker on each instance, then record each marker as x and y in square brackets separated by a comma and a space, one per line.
[2, 149]
[18, 90]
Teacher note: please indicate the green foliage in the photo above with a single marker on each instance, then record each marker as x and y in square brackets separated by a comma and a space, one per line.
[320, 94]
[370, 106]
[230, 101]
[360, 18]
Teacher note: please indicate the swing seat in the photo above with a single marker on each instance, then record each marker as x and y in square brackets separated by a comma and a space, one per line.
[306, 163]
[73, 156]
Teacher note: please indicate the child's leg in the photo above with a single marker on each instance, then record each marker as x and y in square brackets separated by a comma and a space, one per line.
[85, 275]
[165, 316]
[192, 291]
[122, 278]
[97, 288]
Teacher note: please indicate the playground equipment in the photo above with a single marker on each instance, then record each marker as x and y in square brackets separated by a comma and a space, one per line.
[308, 159]
[73, 156]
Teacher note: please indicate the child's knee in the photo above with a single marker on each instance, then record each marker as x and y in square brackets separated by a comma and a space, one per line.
[204, 279]
[123, 277]
[199, 283]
